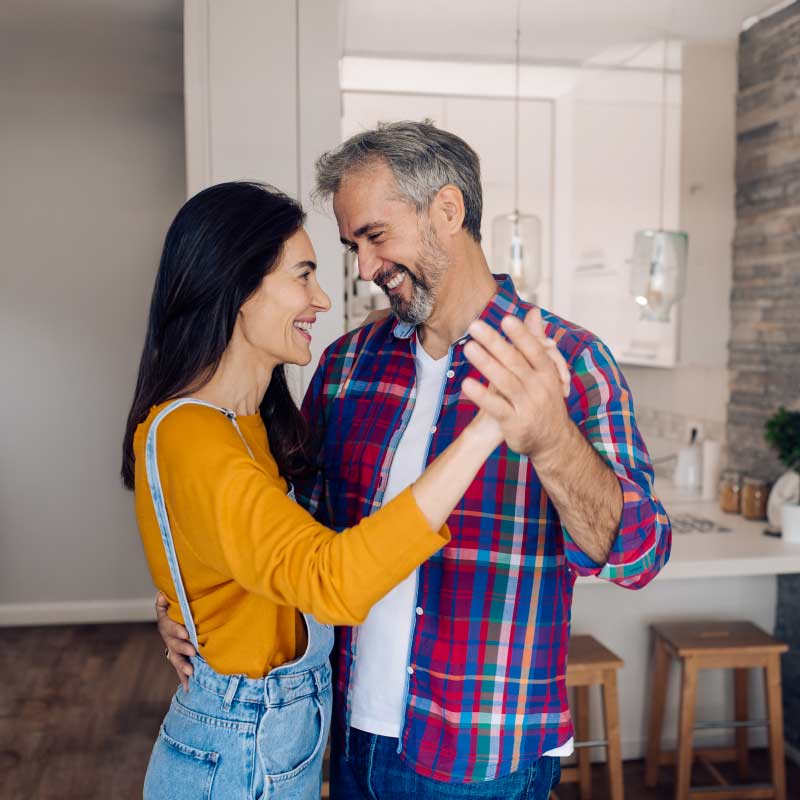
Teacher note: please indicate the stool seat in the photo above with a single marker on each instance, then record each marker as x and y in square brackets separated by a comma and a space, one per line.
[586, 654]
[589, 663]
[735, 645]
[712, 638]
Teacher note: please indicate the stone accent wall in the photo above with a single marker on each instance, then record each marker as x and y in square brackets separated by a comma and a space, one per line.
[764, 355]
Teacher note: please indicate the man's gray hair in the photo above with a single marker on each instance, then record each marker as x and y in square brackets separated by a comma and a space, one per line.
[422, 159]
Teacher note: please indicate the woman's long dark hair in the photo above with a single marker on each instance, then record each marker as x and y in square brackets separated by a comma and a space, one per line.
[216, 253]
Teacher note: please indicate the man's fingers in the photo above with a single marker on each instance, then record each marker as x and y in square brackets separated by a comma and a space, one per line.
[503, 379]
[182, 667]
[530, 346]
[554, 354]
[180, 647]
[162, 604]
[176, 638]
[169, 629]
[533, 322]
[502, 350]
[487, 400]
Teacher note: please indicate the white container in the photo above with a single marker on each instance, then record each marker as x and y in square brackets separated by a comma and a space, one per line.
[712, 452]
[790, 523]
[688, 470]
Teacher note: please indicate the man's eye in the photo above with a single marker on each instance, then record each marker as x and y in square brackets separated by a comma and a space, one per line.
[305, 275]
[375, 237]
[351, 248]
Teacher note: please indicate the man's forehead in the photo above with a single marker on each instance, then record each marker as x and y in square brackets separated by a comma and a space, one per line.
[364, 204]
[365, 186]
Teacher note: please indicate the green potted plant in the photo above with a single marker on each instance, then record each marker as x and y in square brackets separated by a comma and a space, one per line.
[783, 508]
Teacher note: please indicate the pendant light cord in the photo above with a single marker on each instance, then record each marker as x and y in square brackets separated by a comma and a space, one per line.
[516, 114]
[663, 166]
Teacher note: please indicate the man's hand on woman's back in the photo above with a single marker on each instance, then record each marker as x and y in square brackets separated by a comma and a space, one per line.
[176, 638]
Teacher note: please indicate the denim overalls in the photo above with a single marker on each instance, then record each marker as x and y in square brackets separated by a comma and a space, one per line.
[234, 737]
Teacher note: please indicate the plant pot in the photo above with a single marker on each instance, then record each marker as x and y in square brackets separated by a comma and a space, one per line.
[785, 490]
[790, 522]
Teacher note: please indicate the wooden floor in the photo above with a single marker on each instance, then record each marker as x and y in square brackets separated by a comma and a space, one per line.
[80, 707]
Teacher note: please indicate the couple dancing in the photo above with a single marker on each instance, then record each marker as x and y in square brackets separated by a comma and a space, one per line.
[454, 467]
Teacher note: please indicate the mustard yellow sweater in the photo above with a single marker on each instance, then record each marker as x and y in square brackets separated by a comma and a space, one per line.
[250, 556]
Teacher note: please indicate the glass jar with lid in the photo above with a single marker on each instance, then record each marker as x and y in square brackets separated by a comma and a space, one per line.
[730, 487]
[754, 498]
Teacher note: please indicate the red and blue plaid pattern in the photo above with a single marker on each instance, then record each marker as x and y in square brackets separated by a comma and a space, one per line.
[487, 695]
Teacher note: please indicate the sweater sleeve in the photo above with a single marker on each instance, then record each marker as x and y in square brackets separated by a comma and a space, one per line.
[238, 519]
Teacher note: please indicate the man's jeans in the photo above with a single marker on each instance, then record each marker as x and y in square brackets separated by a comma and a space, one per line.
[374, 771]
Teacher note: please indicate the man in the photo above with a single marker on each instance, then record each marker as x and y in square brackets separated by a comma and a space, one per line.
[455, 684]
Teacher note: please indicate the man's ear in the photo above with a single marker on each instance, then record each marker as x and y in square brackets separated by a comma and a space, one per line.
[448, 206]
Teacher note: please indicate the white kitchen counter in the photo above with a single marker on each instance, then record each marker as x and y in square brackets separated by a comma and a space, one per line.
[743, 550]
[710, 576]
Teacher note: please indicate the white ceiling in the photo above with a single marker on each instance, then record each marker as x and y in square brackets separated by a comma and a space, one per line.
[564, 31]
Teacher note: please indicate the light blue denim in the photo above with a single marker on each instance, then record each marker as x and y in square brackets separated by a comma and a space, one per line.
[231, 737]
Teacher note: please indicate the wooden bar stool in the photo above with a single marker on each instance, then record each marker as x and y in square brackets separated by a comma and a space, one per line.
[739, 646]
[591, 664]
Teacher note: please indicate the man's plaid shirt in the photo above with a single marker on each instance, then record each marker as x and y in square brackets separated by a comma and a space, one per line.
[486, 689]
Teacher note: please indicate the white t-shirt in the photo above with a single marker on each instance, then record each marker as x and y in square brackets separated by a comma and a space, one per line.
[380, 670]
[384, 638]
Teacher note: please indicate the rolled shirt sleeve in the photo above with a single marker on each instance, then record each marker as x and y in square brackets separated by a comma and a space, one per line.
[600, 404]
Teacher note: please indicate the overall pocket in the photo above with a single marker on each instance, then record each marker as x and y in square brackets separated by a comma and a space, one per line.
[178, 771]
[291, 738]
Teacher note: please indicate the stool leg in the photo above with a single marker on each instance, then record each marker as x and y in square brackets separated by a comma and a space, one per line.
[742, 710]
[613, 749]
[582, 732]
[685, 728]
[659, 697]
[775, 709]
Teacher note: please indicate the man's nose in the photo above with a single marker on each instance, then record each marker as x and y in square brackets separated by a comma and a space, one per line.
[368, 265]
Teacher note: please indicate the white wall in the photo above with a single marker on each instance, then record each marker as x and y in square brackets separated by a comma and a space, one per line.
[696, 389]
[262, 102]
[93, 144]
[92, 158]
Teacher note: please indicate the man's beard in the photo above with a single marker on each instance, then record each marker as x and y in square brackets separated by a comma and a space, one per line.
[432, 263]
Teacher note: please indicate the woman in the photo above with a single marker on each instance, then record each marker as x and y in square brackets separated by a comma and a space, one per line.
[212, 442]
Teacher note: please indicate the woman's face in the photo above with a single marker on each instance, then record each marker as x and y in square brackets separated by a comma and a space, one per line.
[277, 319]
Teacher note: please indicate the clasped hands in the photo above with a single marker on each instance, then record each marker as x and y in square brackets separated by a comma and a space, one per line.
[528, 381]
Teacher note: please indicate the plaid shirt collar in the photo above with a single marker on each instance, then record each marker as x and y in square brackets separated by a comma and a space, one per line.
[504, 302]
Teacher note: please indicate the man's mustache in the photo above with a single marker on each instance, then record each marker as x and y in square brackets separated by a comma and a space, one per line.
[384, 277]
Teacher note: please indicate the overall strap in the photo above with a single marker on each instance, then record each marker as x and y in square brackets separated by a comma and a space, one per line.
[157, 494]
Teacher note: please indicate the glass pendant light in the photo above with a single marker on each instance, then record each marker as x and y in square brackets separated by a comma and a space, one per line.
[517, 237]
[658, 266]
[658, 274]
